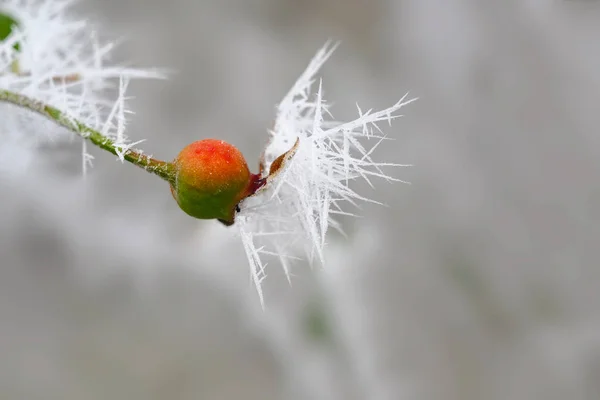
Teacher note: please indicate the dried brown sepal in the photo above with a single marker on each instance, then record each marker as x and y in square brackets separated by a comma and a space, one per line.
[276, 166]
[261, 164]
[280, 162]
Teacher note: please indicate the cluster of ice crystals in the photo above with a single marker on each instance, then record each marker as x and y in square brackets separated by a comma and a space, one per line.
[57, 59]
[297, 206]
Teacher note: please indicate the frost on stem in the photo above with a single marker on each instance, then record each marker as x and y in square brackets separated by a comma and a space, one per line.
[298, 205]
[52, 58]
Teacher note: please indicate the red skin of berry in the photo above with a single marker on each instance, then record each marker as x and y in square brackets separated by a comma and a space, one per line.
[211, 178]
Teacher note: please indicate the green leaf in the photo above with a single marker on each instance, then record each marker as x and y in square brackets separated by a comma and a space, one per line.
[7, 23]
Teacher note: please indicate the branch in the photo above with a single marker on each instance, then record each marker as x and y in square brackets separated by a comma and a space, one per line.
[163, 169]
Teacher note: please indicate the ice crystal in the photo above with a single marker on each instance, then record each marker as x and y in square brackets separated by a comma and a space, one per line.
[298, 205]
[57, 59]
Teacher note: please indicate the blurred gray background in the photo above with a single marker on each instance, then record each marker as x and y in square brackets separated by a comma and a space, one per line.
[481, 280]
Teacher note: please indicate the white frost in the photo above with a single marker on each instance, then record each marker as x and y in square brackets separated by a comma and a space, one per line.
[297, 207]
[60, 62]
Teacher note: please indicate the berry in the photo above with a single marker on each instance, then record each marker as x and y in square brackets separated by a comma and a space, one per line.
[211, 178]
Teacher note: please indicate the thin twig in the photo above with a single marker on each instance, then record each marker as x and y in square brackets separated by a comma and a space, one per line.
[163, 169]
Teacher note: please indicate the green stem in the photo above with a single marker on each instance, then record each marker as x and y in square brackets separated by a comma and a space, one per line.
[163, 169]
